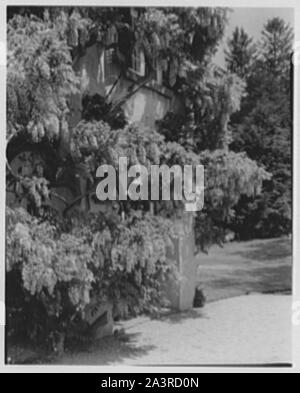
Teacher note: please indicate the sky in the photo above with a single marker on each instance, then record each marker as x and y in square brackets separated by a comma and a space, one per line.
[253, 21]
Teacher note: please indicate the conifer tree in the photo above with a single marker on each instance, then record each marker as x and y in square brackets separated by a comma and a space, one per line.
[240, 53]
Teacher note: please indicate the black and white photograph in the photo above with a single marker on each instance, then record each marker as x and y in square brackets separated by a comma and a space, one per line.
[149, 184]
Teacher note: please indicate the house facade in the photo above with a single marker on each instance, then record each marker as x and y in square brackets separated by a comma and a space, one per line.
[147, 90]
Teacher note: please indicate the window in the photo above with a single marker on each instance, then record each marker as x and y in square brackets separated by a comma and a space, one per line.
[109, 57]
[138, 63]
[110, 67]
[112, 36]
[161, 70]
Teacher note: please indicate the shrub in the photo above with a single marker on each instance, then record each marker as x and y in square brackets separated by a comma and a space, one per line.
[53, 273]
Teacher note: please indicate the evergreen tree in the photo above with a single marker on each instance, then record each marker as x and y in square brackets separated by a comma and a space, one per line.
[276, 49]
[240, 53]
[263, 128]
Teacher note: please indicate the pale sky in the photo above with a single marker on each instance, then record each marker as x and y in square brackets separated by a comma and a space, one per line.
[253, 21]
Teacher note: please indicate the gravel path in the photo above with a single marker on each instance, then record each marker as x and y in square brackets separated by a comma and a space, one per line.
[252, 329]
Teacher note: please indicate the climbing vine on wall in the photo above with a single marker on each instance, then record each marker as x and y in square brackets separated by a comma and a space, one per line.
[56, 265]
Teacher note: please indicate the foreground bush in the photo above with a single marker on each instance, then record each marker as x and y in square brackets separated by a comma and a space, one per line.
[52, 274]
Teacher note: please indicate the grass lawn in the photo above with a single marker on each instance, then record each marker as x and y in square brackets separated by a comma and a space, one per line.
[262, 266]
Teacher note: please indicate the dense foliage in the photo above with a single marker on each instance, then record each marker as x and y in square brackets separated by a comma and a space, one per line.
[263, 127]
[240, 54]
[53, 272]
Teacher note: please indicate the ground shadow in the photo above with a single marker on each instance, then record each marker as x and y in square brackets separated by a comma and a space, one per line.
[267, 251]
[261, 266]
[177, 317]
[107, 351]
[262, 280]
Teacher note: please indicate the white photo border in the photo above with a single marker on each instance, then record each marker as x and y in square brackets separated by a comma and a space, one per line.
[296, 223]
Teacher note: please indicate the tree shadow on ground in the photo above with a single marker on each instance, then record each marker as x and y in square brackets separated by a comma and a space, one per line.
[107, 351]
[176, 318]
[262, 280]
[261, 266]
[267, 251]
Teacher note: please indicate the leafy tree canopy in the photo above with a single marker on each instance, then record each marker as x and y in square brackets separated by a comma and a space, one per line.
[263, 128]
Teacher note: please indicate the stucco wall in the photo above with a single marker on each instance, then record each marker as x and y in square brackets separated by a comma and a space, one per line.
[180, 293]
[146, 106]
